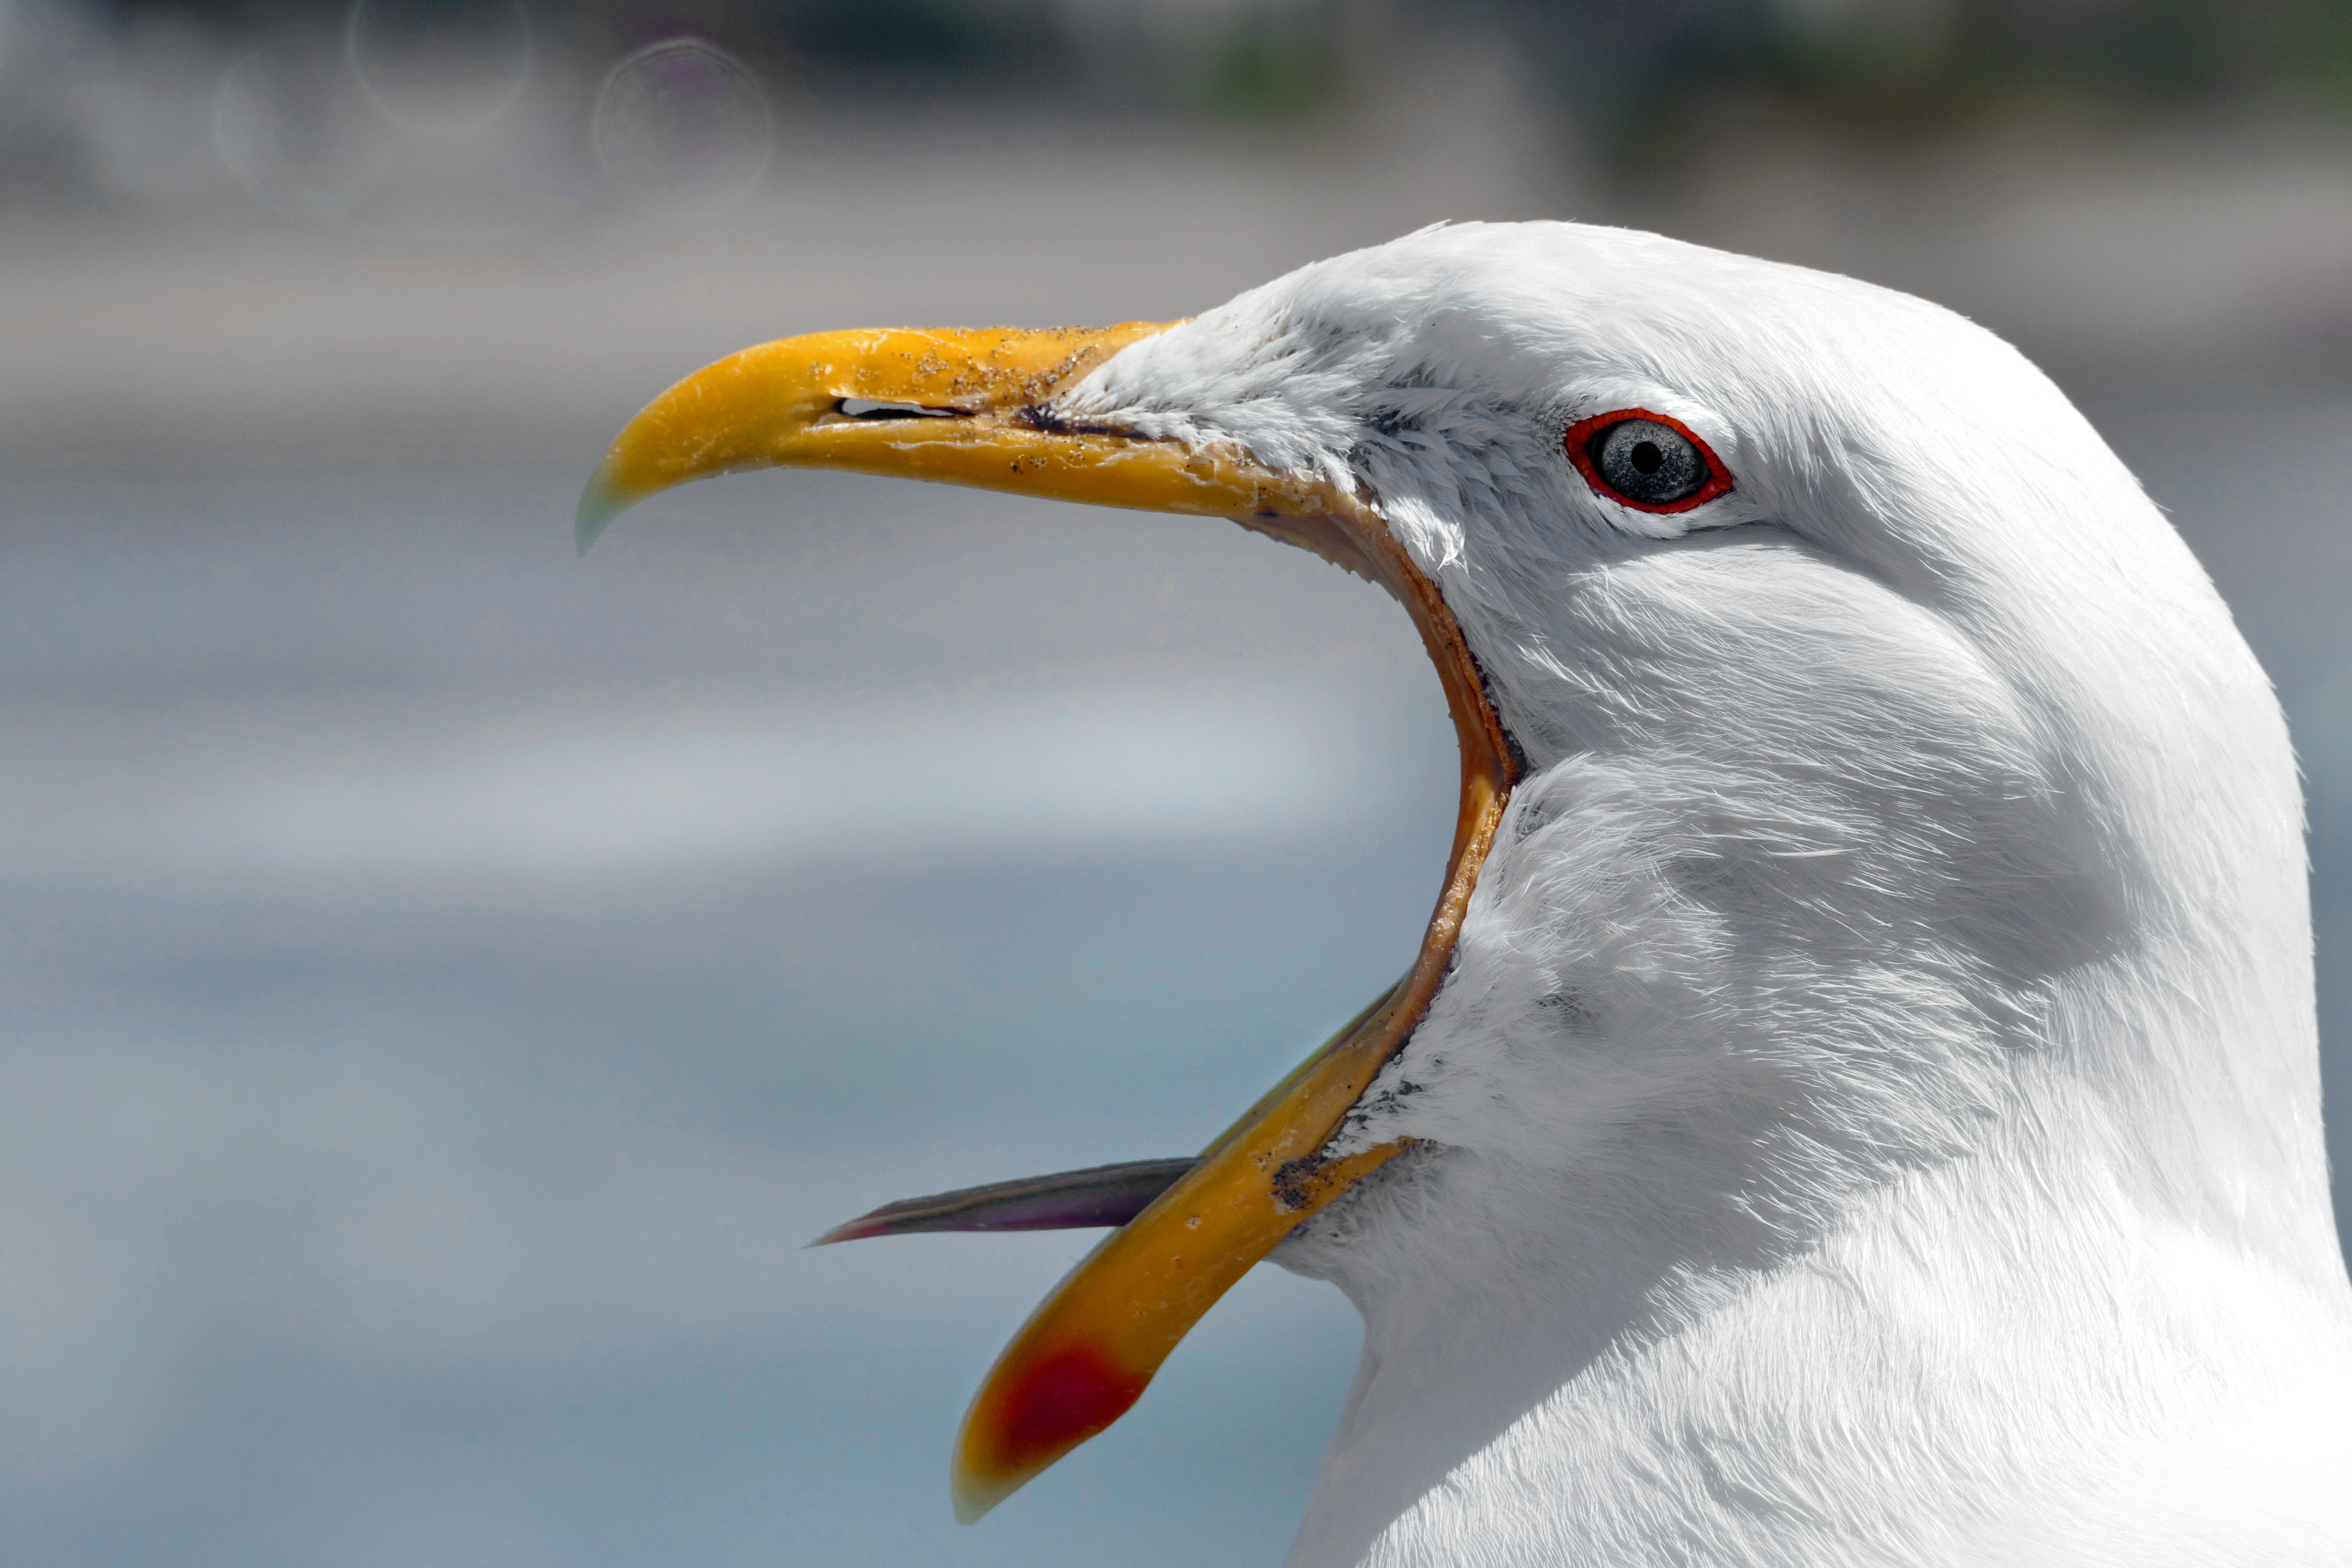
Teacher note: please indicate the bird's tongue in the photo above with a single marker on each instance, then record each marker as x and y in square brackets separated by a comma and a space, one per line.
[1067, 1200]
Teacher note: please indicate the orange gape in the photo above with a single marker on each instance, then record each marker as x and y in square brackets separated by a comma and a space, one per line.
[1091, 1347]
[969, 408]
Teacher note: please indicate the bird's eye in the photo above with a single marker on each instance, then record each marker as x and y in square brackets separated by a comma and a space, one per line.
[1647, 461]
[1651, 462]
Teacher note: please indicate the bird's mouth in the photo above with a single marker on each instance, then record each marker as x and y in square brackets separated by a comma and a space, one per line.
[975, 408]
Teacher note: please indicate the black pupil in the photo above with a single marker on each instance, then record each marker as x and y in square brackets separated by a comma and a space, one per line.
[1648, 463]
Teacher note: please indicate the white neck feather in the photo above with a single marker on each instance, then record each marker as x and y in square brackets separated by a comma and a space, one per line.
[1543, 1384]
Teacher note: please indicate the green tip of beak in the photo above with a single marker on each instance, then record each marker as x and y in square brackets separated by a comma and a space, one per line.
[972, 1503]
[599, 503]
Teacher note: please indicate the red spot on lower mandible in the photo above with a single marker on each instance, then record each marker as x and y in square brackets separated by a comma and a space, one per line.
[1062, 1401]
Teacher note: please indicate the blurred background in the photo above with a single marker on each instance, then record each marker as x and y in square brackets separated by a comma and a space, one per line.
[443, 981]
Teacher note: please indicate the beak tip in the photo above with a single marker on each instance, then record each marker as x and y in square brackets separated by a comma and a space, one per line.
[599, 503]
[972, 1500]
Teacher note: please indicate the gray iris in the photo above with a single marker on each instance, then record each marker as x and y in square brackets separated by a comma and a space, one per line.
[1645, 461]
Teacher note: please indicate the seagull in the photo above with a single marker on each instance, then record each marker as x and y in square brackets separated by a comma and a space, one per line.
[1857, 1101]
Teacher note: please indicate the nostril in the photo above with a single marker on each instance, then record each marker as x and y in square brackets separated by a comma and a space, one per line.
[867, 408]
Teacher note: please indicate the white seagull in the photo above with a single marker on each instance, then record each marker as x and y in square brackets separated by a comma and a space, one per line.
[1857, 1100]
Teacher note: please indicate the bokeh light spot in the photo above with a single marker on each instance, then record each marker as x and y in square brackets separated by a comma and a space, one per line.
[682, 125]
[445, 66]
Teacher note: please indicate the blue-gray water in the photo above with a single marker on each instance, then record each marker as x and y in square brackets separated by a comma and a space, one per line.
[446, 982]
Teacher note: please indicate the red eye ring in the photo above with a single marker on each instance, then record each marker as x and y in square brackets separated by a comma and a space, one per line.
[1577, 440]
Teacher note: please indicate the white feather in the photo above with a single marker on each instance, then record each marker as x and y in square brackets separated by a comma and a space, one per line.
[1874, 1113]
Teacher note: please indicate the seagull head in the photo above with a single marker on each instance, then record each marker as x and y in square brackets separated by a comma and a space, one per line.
[1868, 806]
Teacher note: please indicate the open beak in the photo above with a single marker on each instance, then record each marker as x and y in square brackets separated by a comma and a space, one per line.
[975, 408]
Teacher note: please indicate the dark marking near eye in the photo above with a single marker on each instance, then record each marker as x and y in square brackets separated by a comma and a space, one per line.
[1294, 1181]
[1037, 416]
